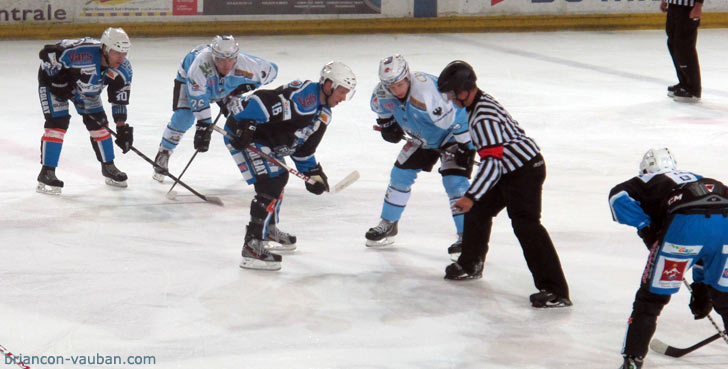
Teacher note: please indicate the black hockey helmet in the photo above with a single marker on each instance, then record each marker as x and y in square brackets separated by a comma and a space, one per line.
[457, 76]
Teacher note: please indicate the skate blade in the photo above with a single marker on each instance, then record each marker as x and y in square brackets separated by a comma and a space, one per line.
[275, 246]
[384, 242]
[159, 177]
[689, 100]
[113, 183]
[249, 263]
[48, 190]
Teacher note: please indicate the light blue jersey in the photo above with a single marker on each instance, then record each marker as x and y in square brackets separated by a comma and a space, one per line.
[424, 114]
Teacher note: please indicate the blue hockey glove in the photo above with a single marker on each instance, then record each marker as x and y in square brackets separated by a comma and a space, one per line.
[700, 301]
[243, 132]
[124, 137]
[203, 136]
[322, 182]
[390, 130]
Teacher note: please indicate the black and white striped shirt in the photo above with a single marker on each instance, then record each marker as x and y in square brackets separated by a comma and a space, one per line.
[684, 2]
[500, 142]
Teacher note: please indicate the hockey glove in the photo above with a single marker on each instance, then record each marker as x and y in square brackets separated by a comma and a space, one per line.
[464, 156]
[700, 301]
[322, 182]
[391, 132]
[243, 132]
[648, 236]
[203, 136]
[124, 137]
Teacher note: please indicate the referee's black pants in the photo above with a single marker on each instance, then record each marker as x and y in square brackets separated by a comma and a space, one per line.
[520, 193]
[682, 36]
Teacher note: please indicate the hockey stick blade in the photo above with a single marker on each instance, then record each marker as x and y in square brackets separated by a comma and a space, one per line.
[172, 195]
[346, 181]
[660, 347]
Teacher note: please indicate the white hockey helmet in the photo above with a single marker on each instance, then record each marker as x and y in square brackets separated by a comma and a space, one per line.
[393, 69]
[656, 160]
[339, 74]
[224, 47]
[116, 39]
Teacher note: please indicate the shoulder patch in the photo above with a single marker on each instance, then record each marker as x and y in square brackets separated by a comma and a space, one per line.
[295, 83]
[244, 73]
[417, 103]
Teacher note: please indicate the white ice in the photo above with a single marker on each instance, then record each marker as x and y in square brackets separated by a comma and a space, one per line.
[129, 272]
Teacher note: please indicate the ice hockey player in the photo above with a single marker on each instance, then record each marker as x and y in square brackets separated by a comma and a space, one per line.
[217, 72]
[408, 104]
[288, 121]
[510, 175]
[683, 220]
[78, 70]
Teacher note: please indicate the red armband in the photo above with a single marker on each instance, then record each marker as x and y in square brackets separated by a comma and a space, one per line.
[494, 151]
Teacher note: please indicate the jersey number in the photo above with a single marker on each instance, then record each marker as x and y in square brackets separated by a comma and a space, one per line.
[681, 177]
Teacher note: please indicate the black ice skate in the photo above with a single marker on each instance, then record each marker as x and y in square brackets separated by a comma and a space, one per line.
[632, 362]
[255, 256]
[456, 272]
[548, 299]
[456, 248]
[683, 95]
[114, 177]
[277, 240]
[162, 159]
[382, 235]
[47, 181]
[671, 90]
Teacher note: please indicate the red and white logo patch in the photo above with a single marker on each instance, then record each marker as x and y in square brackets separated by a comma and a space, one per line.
[673, 270]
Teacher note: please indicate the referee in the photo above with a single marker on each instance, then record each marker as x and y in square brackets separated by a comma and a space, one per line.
[510, 175]
[683, 20]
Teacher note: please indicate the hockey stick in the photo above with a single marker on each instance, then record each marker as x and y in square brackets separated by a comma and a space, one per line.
[348, 180]
[173, 194]
[665, 349]
[210, 199]
[413, 141]
[12, 357]
[660, 347]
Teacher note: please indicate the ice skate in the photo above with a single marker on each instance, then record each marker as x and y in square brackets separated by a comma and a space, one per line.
[382, 235]
[277, 240]
[456, 248]
[632, 362]
[162, 159]
[114, 177]
[255, 256]
[548, 299]
[47, 181]
[456, 272]
[671, 90]
[683, 95]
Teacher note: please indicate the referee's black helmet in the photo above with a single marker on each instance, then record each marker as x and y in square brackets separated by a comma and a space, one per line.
[457, 76]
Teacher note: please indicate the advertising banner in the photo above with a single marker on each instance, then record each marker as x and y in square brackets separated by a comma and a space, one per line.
[256, 7]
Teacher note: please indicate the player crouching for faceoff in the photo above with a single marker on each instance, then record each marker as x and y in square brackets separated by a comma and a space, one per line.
[410, 103]
[288, 121]
[683, 220]
[217, 72]
[510, 175]
[78, 70]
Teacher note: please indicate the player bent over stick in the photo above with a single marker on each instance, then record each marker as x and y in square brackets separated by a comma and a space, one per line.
[288, 121]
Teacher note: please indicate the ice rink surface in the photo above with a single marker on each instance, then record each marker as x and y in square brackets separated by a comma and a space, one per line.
[101, 270]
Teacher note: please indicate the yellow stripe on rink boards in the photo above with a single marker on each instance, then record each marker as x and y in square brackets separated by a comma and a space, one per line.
[358, 26]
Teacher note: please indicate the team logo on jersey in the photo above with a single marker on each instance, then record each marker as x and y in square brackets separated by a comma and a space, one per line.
[244, 73]
[417, 103]
[388, 106]
[673, 270]
[80, 57]
[206, 70]
[437, 111]
[295, 84]
[306, 101]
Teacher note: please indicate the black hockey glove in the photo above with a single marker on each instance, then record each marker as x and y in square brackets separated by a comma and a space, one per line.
[700, 301]
[124, 137]
[243, 132]
[648, 236]
[390, 130]
[464, 156]
[322, 182]
[203, 136]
